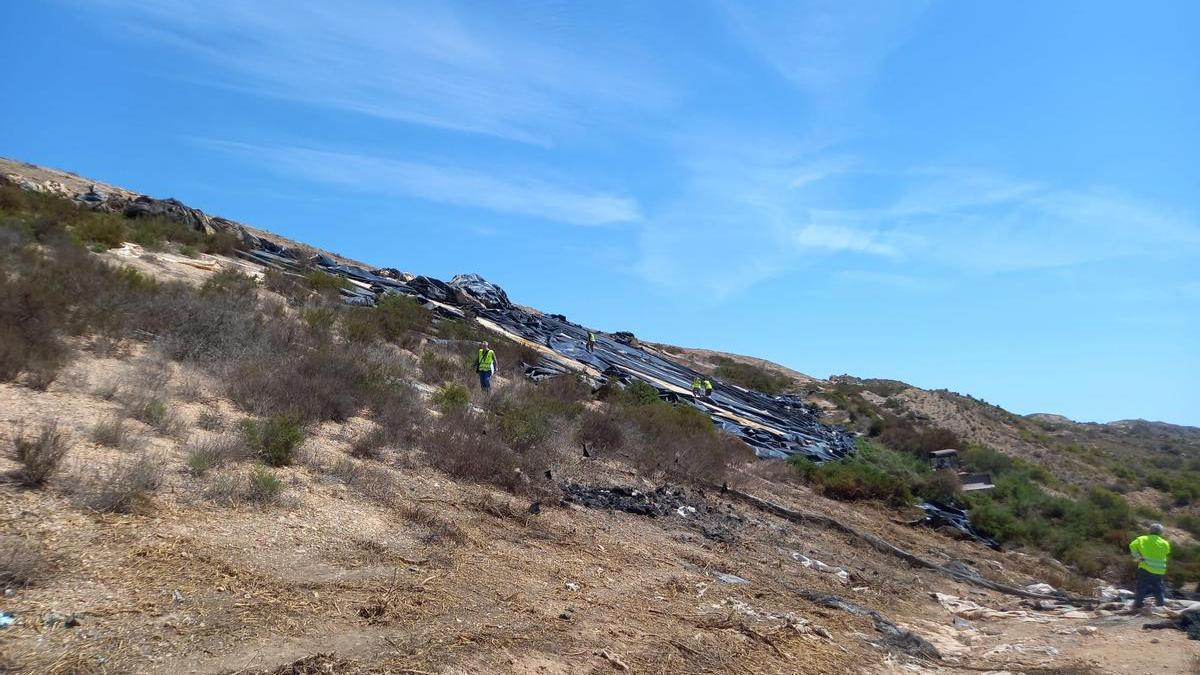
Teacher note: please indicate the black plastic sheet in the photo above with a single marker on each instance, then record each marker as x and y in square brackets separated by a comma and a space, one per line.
[774, 426]
[943, 515]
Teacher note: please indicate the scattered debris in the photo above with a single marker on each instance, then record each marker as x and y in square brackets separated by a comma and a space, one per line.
[7, 619]
[613, 659]
[714, 523]
[842, 575]
[55, 619]
[938, 515]
[893, 635]
[731, 579]
[1189, 620]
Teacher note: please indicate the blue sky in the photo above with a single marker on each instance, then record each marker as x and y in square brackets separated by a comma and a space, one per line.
[995, 198]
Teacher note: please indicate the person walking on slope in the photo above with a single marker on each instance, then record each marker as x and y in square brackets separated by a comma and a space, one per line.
[485, 365]
[1150, 551]
[591, 342]
[708, 388]
[696, 387]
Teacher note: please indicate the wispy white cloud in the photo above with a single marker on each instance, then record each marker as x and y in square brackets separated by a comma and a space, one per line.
[831, 49]
[516, 193]
[420, 63]
[765, 222]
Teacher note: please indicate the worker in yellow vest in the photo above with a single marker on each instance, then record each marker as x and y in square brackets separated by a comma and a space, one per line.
[1150, 551]
[591, 342]
[696, 387]
[485, 365]
[708, 388]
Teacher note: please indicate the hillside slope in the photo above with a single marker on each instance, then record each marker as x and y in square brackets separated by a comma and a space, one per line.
[259, 477]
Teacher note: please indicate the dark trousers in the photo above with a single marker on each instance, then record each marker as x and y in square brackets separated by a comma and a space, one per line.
[1148, 584]
[485, 380]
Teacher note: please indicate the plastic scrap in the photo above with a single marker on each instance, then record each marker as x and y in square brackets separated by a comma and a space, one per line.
[893, 635]
[7, 619]
[943, 515]
[731, 579]
[774, 426]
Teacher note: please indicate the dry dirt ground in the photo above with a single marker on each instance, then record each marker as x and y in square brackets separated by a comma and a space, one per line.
[428, 575]
[387, 566]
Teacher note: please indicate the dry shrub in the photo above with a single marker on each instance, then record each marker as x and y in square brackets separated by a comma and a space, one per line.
[110, 431]
[501, 508]
[437, 529]
[210, 420]
[211, 452]
[437, 367]
[373, 482]
[602, 430]
[369, 444]
[22, 563]
[399, 413]
[680, 443]
[40, 455]
[459, 445]
[122, 487]
[330, 382]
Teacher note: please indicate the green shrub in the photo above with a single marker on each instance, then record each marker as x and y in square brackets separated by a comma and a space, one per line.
[451, 398]
[108, 231]
[274, 439]
[325, 283]
[399, 315]
[751, 376]
[229, 280]
[529, 415]
[635, 393]
[264, 486]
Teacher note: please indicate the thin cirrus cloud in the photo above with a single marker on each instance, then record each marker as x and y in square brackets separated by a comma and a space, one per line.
[524, 195]
[772, 219]
[424, 64]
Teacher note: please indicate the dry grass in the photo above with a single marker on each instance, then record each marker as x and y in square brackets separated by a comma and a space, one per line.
[372, 482]
[110, 431]
[39, 455]
[210, 452]
[121, 488]
[437, 529]
[22, 563]
[369, 444]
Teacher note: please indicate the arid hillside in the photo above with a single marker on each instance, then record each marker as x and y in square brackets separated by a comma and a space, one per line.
[213, 466]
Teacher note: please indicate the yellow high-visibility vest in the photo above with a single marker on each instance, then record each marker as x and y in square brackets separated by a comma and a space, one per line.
[1154, 551]
[484, 361]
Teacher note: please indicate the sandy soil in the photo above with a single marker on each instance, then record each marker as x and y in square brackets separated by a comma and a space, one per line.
[186, 584]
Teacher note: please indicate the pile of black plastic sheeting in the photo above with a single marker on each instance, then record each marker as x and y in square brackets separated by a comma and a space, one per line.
[939, 515]
[774, 426]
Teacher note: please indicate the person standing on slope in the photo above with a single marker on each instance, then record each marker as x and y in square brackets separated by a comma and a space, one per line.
[1150, 551]
[708, 388]
[485, 365]
[591, 342]
[696, 387]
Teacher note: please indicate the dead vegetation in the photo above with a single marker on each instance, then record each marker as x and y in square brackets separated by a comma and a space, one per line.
[39, 454]
[22, 562]
[480, 579]
[120, 488]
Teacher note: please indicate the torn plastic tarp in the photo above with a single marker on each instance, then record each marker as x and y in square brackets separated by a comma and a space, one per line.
[943, 515]
[774, 426]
